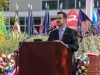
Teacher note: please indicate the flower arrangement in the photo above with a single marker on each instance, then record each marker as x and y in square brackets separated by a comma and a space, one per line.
[90, 44]
[82, 64]
[11, 41]
[7, 62]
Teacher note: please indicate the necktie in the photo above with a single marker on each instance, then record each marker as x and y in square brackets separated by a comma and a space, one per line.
[60, 35]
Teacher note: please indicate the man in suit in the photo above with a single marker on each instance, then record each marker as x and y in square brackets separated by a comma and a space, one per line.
[66, 35]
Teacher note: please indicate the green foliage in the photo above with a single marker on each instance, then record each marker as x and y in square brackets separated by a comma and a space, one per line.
[90, 44]
[3, 3]
[11, 42]
[6, 21]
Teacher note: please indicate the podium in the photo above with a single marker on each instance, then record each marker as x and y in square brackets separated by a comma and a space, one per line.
[44, 58]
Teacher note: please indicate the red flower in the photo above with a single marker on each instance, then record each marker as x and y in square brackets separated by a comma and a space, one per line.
[87, 66]
[82, 63]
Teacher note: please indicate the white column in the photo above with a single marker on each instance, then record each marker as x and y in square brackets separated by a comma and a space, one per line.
[89, 8]
[58, 4]
[75, 4]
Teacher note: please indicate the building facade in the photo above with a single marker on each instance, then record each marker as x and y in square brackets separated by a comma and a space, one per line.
[38, 7]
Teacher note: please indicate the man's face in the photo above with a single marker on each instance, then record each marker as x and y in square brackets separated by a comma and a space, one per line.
[60, 20]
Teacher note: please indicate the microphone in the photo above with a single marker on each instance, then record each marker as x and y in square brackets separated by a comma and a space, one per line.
[51, 29]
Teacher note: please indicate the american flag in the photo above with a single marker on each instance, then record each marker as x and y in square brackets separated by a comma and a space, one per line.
[14, 71]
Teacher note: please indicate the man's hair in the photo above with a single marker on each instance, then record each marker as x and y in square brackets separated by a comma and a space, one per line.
[63, 13]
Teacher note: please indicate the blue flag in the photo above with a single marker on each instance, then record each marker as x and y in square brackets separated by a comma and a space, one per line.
[85, 25]
[98, 18]
[28, 25]
[94, 18]
[32, 24]
[46, 22]
[81, 19]
[98, 14]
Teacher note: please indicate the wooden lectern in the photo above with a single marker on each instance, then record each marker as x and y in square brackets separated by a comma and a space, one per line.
[44, 58]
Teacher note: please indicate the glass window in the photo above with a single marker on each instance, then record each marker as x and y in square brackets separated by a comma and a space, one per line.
[22, 28]
[53, 19]
[52, 4]
[37, 20]
[22, 20]
[11, 20]
[95, 3]
[67, 4]
[26, 20]
[83, 3]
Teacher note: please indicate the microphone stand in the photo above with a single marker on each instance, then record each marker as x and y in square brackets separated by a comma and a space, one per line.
[17, 52]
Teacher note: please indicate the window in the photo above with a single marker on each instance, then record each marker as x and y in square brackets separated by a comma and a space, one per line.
[22, 28]
[37, 20]
[22, 20]
[53, 19]
[11, 20]
[26, 20]
[83, 3]
[95, 3]
[52, 4]
[67, 4]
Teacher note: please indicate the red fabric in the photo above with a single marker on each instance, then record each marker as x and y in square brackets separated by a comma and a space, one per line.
[40, 26]
[72, 19]
[92, 54]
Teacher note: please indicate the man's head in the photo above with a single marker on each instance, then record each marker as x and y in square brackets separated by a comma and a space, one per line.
[61, 19]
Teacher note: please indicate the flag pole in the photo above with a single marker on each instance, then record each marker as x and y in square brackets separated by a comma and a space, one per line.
[28, 5]
[80, 32]
[79, 4]
[61, 5]
[16, 6]
[32, 22]
[46, 5]
[28, 25]
[93, 5]
[97, 3]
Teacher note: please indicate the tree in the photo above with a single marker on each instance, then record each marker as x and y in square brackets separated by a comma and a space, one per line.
[4, 3]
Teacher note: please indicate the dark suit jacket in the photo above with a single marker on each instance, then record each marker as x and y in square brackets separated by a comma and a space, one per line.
[70, 37]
